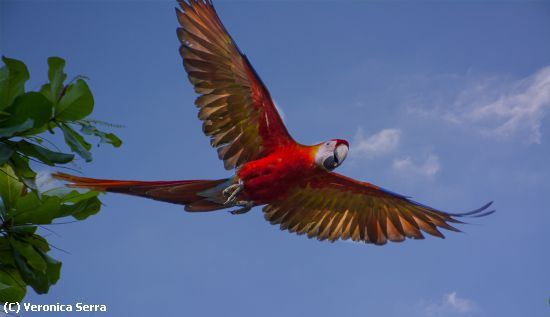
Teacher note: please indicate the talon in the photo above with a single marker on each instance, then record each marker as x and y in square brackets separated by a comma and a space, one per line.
[246, 207]
[231, 192]
[229, 189]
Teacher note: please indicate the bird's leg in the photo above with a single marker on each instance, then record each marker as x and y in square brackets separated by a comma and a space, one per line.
[232, 191]
[245, 207]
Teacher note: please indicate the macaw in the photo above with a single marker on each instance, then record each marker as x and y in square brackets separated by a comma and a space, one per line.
[295, 183]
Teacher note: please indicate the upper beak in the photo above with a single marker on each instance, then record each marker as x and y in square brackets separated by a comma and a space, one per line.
[340, 154]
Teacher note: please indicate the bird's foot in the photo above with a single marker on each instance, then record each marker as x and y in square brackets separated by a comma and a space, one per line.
[232, 191]
[245, 207]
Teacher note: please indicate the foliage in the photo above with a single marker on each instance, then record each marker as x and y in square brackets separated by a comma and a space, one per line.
[24, 118]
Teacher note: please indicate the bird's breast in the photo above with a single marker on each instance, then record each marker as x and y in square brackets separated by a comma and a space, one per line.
[270, 178]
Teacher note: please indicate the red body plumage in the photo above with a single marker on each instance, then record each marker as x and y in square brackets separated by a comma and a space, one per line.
[270, 178]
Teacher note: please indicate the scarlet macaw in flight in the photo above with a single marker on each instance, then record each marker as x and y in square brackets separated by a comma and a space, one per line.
[295, 182]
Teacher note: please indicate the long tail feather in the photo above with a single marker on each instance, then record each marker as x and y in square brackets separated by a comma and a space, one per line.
[184, 192]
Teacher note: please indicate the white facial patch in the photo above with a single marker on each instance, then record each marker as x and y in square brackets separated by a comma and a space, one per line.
[329, 156]
[326, 150]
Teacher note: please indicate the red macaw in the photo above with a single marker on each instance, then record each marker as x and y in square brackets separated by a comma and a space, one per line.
[295, 182]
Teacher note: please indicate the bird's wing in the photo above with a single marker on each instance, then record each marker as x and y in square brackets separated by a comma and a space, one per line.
[235, 106]
[334, 207]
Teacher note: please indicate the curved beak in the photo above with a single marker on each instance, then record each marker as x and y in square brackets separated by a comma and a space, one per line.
[340, 153]
[334, 160]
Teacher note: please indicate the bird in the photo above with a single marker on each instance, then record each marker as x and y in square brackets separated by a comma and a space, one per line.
[295, 183]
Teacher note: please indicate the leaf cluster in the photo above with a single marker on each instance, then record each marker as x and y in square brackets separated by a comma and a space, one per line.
[25, 117]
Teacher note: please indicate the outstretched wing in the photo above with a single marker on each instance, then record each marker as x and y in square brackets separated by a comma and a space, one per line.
[234, 105]
[334, 207]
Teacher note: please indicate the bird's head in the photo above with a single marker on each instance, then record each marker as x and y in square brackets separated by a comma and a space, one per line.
[331, 154]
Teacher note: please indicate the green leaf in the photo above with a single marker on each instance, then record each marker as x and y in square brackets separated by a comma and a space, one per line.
[76, 142]
[6, 256]
[12, 286]
[16, 129]
[30, 105]
[39, 242]
[23, 171]
[88, 128]
[83, 209]
[76, 103]
[43, 154]
[10, 187]
[57, 77]
[29, 275]
[12, 81]
[36, 279]
[72, 196]
[24, 230]
[37, 268]
[75, 196]
[53, 269]
[113, 139]
[6, 151]
[34, 209]
[33, 258]
[77, 204]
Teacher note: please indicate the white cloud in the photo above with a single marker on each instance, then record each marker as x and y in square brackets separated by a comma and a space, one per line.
[377, 144]
[450, 304]
[387, 141]
[429, 168]
[496, 106]
[520, 109]
[461, 305]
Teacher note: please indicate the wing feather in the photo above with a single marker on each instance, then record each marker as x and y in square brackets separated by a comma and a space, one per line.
[236, 108]
[332, 207]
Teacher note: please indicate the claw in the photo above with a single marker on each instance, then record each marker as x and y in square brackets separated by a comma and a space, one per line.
[229, 189]
[245, 207]
[231, 192]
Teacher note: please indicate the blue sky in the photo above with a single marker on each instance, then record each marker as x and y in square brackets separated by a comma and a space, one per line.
[443, 101]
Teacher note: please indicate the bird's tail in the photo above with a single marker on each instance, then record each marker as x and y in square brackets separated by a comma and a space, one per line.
[196, 195]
